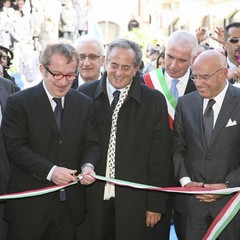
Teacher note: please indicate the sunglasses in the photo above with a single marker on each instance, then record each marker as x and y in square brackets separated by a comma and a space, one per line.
[234, 40]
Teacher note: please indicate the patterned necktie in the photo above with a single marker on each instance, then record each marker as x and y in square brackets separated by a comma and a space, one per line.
[58, 111]
[110, 171]
[208, 118]
[116, 95]
[173, 89]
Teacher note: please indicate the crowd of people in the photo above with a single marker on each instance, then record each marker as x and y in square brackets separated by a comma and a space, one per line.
[95, 111]
[26, 26]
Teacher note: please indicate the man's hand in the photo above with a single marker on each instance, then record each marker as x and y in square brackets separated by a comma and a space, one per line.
[201, 34]
[194, 184]
[87, 173]
[152, 218]
[62, 175]
[220, 35]
[233, 73]
[211, 197]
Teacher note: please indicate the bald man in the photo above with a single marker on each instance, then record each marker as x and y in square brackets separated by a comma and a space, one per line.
[207, 152]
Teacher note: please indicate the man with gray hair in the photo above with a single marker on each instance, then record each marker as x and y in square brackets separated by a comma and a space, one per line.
[135, 140]
[174, 81]
[91, 59]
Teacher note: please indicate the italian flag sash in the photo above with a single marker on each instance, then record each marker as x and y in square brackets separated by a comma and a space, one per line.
[155, 79]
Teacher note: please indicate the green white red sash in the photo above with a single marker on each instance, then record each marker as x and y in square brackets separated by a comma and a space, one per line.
[155, 79]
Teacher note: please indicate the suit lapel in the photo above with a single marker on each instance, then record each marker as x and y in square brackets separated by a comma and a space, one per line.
[228, 106]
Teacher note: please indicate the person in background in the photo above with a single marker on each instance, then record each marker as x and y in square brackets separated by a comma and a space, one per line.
[153, 55]
[6, 55]
[6, 89]
[231, 44]
[139, 152]
[133, 24]
[161, 60]
[180, 53]
[91, 59]
[203, 121]
[50, 137]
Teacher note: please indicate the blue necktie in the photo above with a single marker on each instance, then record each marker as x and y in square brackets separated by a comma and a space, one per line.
[173, 89]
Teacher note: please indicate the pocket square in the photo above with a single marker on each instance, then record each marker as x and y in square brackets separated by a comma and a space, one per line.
[231, 123]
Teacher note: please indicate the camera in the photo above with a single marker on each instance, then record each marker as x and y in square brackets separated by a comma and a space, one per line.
[209, 33]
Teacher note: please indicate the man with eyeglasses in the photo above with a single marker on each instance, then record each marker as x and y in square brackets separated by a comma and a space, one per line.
[91, 59]
[51, 137]
[206, 144]
[231, 44]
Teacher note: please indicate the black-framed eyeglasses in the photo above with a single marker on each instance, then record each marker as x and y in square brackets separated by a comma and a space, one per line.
[91, 57]
[203, 77]
[234, 40]
[59, 76]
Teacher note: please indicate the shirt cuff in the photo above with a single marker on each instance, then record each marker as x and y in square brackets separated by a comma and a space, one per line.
[49, 176]
[183, 181]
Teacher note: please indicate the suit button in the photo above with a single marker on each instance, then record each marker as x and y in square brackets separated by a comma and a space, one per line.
[60, 142]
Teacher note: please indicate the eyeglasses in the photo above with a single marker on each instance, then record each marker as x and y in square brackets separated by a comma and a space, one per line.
[59, 76]
[203, 77]
[90, 57]
[234, 40]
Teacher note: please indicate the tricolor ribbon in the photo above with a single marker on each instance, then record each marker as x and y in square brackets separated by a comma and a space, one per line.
[155, 79]
[218, 225]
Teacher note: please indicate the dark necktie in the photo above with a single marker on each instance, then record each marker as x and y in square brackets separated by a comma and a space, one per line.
[58, 111]
[58, 116]
[116, 95]
[208, 120]
[173, 89]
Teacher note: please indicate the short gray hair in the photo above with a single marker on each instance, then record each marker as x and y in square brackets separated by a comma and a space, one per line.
[65, 49]
[184, 40]
[125, 43]
[90, 39]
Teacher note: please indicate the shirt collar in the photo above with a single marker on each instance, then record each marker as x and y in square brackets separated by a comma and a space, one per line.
[220, 97]
[230, 64]
[184, 79]
[50, 97]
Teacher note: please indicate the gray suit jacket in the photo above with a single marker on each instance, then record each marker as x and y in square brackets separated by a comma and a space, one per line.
[214, 164]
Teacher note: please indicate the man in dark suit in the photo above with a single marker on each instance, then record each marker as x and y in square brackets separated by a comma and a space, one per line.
[6, 89]
[141, 148]
[207, 143]
[47, 150]
[181, 49]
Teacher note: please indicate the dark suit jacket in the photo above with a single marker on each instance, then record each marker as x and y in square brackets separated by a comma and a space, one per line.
[34, 145]
[142, 156]
[214, 164]
[6, 89]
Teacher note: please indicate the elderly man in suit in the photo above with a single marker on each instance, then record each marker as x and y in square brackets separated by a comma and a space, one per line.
[91, 59]
[135, 140]
[207, 143]
[51, 137]
[6, 89]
